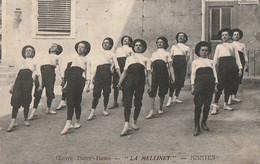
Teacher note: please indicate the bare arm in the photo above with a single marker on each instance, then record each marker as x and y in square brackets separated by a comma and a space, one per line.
[149, 79]
[116, 66]
[87, 72]
[238, 61]
[122, 78]
[216, 57]
[245, 56]
[171, 72]
[37, 75]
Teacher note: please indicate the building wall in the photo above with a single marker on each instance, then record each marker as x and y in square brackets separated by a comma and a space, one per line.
[247, 18]
[95, 20]
[250, 14]
[147, 19]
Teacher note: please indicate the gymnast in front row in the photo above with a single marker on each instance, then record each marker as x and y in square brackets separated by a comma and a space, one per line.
[137, 67]
[78, 74]
[21, 90]
[204, 82]
[161, 67]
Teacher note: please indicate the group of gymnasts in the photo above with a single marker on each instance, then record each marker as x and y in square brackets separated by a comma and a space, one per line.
[129, 70]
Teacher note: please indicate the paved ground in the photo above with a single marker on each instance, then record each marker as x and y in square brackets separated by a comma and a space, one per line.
[233, 137]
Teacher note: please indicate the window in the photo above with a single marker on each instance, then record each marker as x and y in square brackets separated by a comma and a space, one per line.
[54, 17]
[220, 17]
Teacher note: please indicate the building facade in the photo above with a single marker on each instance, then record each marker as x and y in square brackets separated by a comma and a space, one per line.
[43, 22]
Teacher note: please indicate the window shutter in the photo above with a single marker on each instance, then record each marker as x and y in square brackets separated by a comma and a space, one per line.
[54, 16]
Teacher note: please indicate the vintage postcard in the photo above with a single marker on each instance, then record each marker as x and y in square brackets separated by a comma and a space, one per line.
[130, 81]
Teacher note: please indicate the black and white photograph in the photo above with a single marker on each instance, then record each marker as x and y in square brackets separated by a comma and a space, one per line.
[130, 81]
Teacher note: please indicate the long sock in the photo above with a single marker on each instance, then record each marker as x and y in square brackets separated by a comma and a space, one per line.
[25, 112]
[197, 115]
[106, 99]
[49, 101]
[95, 102]
[217, 97]
[177, 92]
[116, 92]
[152, 99]
[64, 95]
[171, 92]
[36, 102]
[205, 113]
[78, 112]
[226, 95]
[161, 103]
[136, 113]
[70, 112]
[127, 113]
[15, 111]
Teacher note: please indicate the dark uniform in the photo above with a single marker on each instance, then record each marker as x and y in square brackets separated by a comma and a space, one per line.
[48, 81]
[47, 68]
[160, 74]
[103, 77]
[22, 89]
[204, 78]
[134, 83]
[228, 67]
[179, 53]
[240, 47]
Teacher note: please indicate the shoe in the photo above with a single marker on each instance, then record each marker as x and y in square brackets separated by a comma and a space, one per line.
[26, 123]
[176, 100]
[91, 115]
[228, 108]
[135, 127]
[125, 130]
[214, 109]
[236, 99]
[169, 102]
[197, 129]
[105, 112]
[33, 114]
[215, 105]
[196, 132]
[77, 124]
[66, 128]
[15, 124]
[11, 126]
[150, 115]
[160, 111]
[50, 111]
[114, 106]
[61, 105]
[204, 126]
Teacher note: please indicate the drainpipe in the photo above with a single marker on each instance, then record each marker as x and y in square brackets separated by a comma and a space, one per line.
[203, 20]
[3, 42]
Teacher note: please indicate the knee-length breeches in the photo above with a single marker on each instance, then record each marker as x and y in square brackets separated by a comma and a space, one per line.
[75, 86]
[134, 85]
[22, 90]
[48, 80]
[204, 86]
[180, 68]
[227, 74]
[160, 79]
[102, 82]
